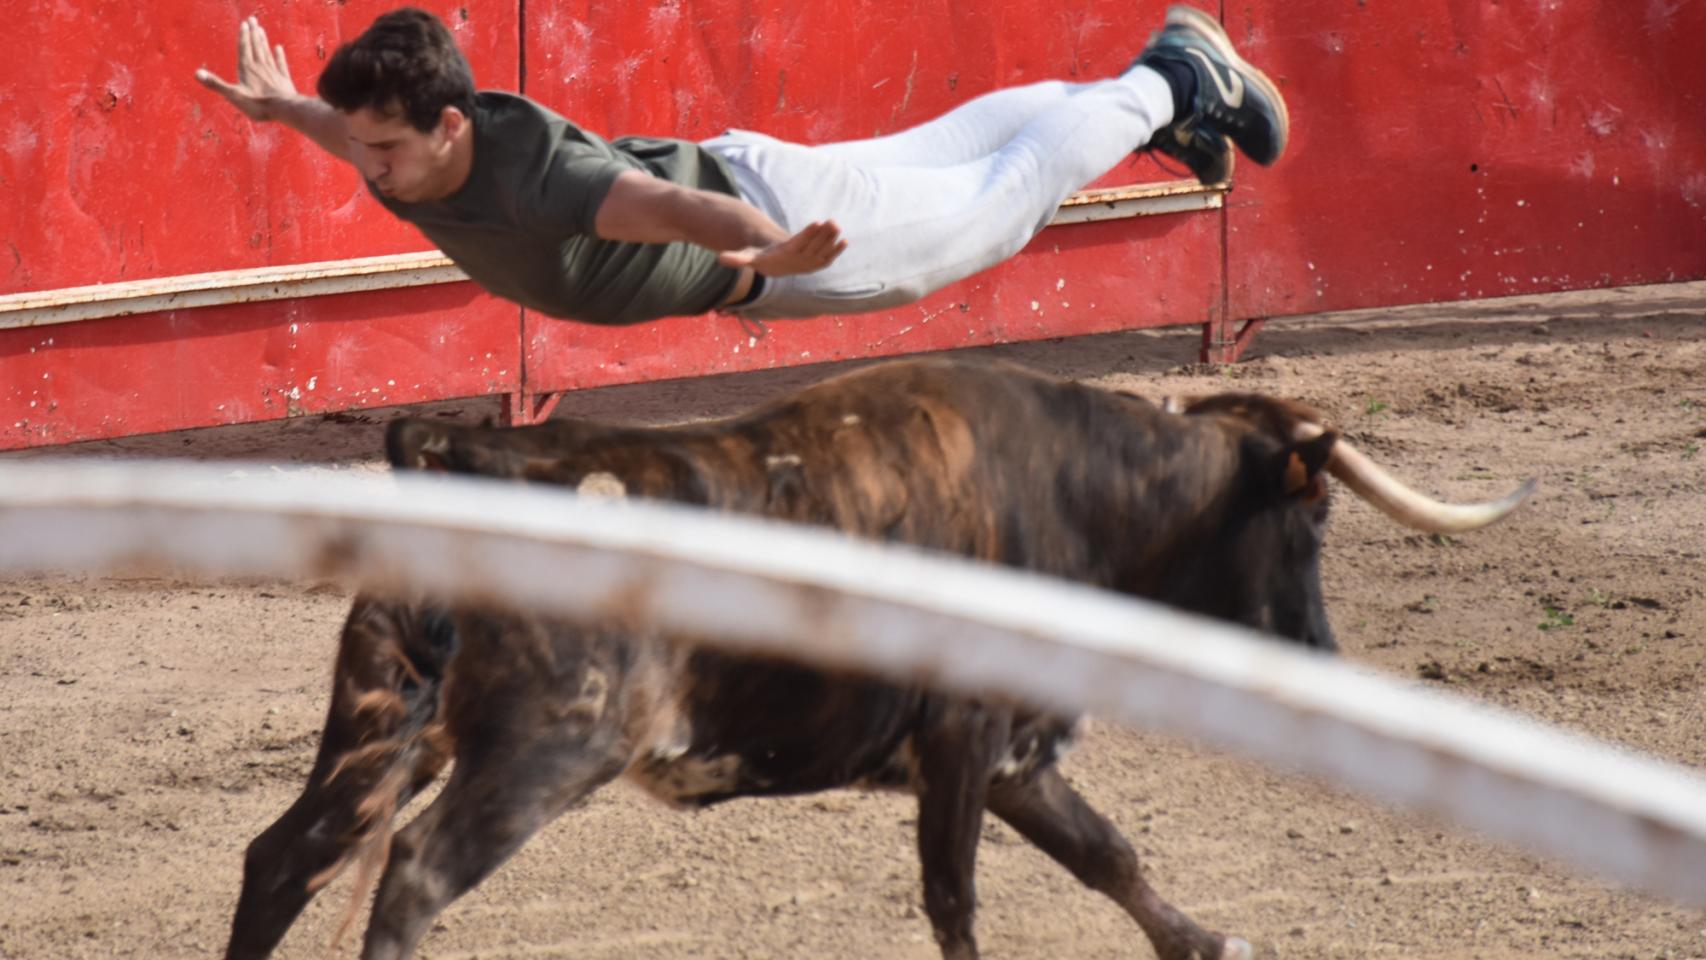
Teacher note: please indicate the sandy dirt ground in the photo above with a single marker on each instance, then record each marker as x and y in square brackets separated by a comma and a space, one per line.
[149, 728]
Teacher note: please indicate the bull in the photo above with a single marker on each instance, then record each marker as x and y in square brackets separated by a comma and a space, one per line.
[1217, 506]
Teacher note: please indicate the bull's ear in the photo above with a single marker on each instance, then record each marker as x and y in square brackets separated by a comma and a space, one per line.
[1304, 464]
[412, 444]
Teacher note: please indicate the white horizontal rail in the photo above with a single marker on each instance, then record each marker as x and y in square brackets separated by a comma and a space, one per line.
[835, 601]
[72, 304]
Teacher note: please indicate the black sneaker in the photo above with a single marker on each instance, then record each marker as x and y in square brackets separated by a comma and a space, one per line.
[1204, 152]
[1233, 100]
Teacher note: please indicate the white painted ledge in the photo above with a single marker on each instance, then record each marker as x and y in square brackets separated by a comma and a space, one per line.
[72, 304]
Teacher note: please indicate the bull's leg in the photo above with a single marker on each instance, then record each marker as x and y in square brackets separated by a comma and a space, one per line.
[1049, 813]
[954, 759]
[499, 794]
[371, 760]
[277, 868]
[289, 862]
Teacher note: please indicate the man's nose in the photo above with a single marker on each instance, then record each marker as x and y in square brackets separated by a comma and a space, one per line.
[371, 166]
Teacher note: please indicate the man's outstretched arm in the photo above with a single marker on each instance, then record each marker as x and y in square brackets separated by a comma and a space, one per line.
[641, 208]
[264, 91]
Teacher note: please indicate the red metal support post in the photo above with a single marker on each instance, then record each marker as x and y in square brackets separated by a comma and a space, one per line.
[523, 408]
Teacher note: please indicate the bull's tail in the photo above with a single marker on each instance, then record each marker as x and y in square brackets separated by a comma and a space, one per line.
[385, 739]
[390, 672]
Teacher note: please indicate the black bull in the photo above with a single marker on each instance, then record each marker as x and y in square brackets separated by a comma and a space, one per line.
[1217, 509]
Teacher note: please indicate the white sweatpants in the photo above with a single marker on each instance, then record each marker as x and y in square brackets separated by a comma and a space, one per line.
[925, 207]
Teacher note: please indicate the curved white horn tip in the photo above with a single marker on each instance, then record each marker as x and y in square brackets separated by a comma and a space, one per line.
[1529, 486]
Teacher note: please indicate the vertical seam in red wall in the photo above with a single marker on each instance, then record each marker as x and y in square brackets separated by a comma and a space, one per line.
[521, 46]
[1226, 322]
[1225, 247]
[524, 395]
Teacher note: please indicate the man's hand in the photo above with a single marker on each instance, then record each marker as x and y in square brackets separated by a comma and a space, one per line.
[810, 250]
[263, 79]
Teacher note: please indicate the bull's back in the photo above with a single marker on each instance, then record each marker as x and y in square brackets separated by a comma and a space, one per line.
[987, 461]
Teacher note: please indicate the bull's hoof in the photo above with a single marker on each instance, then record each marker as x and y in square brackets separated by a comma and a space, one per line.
[1236, 948]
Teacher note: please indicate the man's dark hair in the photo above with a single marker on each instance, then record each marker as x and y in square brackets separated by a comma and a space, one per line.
[406, 64]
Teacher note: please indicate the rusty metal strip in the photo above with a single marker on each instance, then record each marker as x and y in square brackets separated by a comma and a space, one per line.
[1145, 200]
[1137, 207]
[73, 304]
[1147, 191]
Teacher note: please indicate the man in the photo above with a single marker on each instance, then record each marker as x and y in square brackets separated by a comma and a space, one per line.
[555, 218]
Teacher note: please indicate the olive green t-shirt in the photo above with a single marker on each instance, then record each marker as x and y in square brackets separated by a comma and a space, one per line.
[522, 224]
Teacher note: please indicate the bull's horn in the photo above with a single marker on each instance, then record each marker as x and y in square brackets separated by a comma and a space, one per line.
[1409, 507]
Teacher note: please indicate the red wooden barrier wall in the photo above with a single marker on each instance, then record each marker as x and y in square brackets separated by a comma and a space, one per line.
[1460, 149]
[1443, 149]
[117, 166]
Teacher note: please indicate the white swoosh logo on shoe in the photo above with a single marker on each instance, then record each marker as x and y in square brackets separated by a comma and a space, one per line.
[1233, 95]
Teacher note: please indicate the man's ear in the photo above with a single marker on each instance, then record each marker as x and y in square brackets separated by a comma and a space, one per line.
[452, 121]
[1304, 463]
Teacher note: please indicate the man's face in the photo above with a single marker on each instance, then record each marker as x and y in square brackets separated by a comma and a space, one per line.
[404, 163]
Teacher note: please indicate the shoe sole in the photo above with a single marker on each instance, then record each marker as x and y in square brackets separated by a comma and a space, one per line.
[1210, 28]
